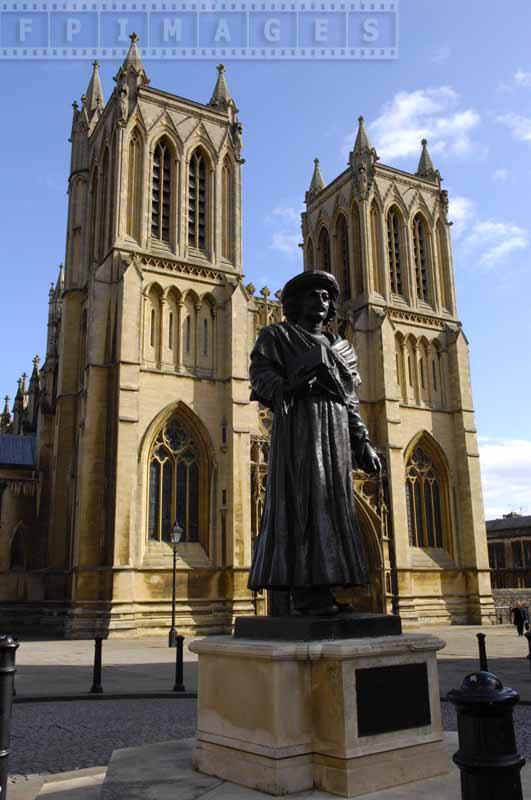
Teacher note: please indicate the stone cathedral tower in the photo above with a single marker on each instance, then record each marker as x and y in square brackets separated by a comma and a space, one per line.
[384, 233]
[139, 418]
[145, 413]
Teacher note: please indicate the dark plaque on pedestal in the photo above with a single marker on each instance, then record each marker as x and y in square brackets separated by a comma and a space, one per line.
[392, 698]
[313, 628]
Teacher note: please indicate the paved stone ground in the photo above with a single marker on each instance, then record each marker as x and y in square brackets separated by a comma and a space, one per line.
[60, 736]
[144, 665]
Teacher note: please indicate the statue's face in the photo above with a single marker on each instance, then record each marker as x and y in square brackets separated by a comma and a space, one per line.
[315, 304]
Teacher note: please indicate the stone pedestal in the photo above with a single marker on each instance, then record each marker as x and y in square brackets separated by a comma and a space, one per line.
[348, 717]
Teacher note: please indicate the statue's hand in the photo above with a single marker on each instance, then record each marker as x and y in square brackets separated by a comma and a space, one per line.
[370, 463]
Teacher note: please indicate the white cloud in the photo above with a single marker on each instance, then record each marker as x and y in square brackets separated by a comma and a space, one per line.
[286, 238]
[491, 241]
[461, 213]
[506, 475]
[522, 78]
[500, 175]
[484, 242]
[518, 124]
[287, 243]
[289, 215]
[434, 114]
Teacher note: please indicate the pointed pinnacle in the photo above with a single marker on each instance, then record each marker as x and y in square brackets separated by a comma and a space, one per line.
[221, 95]
[133, 61]
[362, 143]
[317, 182]
[425, 168]
[95, 90]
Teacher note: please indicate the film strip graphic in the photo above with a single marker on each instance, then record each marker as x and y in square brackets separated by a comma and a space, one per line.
[200, 30]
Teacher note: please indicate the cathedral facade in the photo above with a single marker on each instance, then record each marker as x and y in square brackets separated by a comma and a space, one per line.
[139, 422]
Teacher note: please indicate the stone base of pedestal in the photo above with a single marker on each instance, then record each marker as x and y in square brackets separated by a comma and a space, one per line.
[348, 717]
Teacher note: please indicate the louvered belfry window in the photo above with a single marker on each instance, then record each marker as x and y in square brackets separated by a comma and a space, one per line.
[161, 192]
[421, 259]
[394, 246]
[324, 251]
[227, 211]
[134, 186]
[197, 201]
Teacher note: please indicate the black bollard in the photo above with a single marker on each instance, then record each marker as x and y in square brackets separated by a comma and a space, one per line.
[8, 650]
[528, 637]
[484, 667]
[487, 757]
[179, 685]
[96, 687]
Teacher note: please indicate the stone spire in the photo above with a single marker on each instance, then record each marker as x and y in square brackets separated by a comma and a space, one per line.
[19, 406]
[362, 160]
[317, 183]
[34, 391]
[362, 144]
[425, 168]
[94, 94]
[5, 417]
[221, 97]
[34, 380]
[132, 66]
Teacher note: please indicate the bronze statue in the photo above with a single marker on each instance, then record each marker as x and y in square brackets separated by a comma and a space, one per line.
[309, 537]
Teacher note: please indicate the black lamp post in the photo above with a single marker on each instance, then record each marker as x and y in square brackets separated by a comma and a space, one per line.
[176, 536]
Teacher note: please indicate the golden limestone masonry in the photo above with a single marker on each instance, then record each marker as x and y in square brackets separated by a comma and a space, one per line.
[140, 415]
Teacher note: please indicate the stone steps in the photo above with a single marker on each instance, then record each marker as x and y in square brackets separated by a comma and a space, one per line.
[163, 771]
[84, 784]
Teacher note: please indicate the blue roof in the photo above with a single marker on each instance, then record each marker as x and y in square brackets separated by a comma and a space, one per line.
[17, 451]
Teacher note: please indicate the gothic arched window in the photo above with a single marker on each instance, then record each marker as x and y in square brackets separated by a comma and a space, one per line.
[356, 240]
[421, 255]
[161, 191]
[426, 496]
[323, 251]
[394, 248]
[18, 555]
[343, 261]
[94, 214]
[310, 259]
[104, 205]
[197, 200]
[375, 247]
[134, 186]
[175, 485]
[442, 261]
[153, 325]
[227, 211]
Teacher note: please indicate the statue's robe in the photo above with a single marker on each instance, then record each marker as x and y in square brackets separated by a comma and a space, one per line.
[309, 534]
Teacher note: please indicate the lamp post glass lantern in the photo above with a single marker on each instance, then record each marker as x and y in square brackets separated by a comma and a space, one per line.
[176, 535]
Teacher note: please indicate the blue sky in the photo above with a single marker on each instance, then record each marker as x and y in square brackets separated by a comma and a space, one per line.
[463, 79]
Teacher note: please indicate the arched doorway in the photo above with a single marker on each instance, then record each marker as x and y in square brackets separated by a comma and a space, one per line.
[372, 598]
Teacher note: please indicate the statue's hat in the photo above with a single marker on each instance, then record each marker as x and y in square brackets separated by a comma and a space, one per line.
[306, 280]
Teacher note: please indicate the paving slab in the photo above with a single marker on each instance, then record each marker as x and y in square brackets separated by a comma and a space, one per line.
[164, 772]
[74, 787]
[24, 787]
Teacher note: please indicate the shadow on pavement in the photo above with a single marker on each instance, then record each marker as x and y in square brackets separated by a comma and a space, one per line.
[513, 673]
[60, 680]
